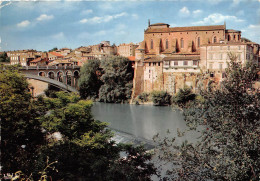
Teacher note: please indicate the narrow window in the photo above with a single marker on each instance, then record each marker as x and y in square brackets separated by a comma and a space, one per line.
[182, 43]
[175, 63]
[167, 44]
[166, 63]
[150, 64]
[185, 62]
[154, 64]
[215, 39]
[158, 63]
[228, 38]
[195, 62]
[198, 41]
[234, 37]
[151, 44]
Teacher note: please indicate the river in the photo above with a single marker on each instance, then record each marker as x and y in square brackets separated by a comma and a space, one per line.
[142, 122]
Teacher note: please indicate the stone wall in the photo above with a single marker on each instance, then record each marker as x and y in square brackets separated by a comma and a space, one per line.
[38, 86]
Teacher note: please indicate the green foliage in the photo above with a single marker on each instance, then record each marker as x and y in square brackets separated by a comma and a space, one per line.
[229, 121]
[53, 49]
[117, 79]
[21, 133]
[144, 97]
[86, 149]
[43, 175]
[132, 166]
[4, 57]
[51, 90]
[183, 97]
[109, 80]
[160, 98]
[89, 82]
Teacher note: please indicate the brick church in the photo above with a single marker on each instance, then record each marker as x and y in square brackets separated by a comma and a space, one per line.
[170, 58]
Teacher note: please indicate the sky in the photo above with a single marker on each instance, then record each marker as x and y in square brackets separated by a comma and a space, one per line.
[43, 25]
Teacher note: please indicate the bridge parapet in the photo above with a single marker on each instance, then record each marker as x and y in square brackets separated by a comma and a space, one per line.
[49, 67]
[68, 75]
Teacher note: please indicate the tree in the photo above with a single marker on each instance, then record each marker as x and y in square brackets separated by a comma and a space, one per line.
[89, 81]
[86, 149]
[4, 57]
[21, 134]
[117, 80]
[229, 123]
[53, 49]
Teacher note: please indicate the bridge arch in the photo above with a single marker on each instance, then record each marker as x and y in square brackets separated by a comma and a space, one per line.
[60, 75]
[51, 74]
[55, 83]
[69, 77]
[75, 78]
[42, 74]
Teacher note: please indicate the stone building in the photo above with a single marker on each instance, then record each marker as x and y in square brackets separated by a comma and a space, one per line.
[126, 50]
[214, 58]
[64, 51]
[23, 57]
[54, 56]
[39, 62]
[170, 58]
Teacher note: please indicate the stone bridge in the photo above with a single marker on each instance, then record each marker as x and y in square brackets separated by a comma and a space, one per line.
[64, 77]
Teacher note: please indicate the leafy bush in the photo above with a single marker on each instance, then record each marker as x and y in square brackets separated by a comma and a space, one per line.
[160, 98]
[144, 97]
[183, 97]
[51, 90]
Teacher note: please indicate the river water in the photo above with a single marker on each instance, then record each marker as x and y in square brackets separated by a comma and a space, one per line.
[142, 122]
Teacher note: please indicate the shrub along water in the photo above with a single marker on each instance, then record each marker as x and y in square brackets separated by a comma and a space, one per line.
[160, 98]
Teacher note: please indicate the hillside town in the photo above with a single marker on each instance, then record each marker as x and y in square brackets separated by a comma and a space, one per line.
[168, 58]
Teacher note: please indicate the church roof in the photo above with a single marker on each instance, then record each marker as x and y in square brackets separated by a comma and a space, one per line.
[233, 31]
[158, 24]
[188, 28]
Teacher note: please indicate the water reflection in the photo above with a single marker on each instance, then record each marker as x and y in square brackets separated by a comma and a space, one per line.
[143, 121]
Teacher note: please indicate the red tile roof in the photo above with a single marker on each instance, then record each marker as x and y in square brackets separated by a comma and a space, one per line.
[56, 54]
[38, 60]
[131, 58]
